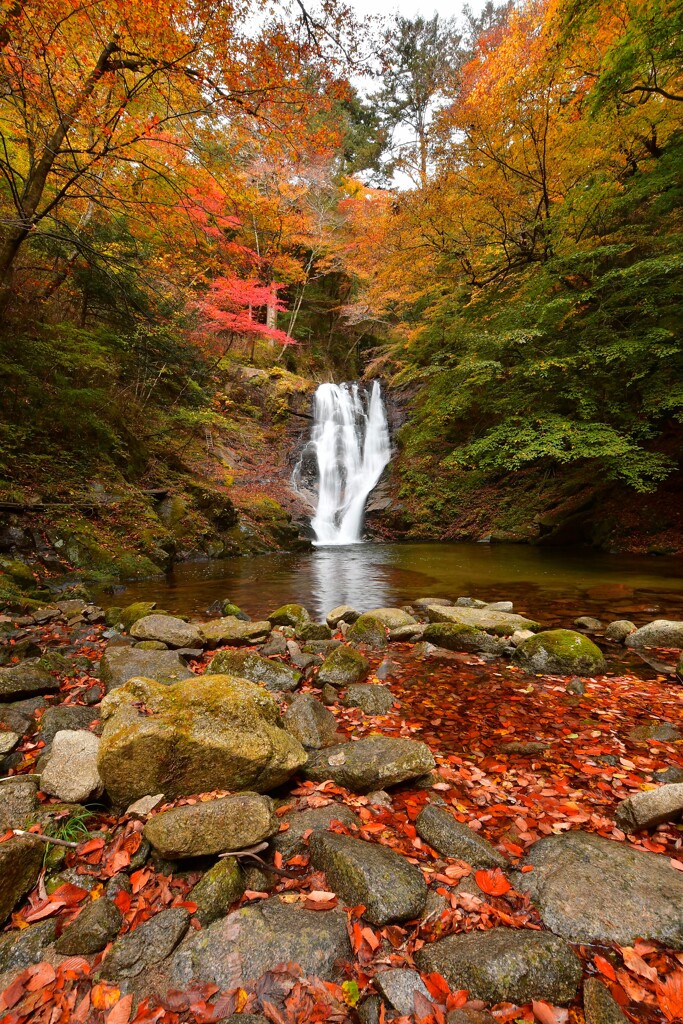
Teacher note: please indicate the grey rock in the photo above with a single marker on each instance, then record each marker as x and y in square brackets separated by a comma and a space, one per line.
[454, 636]
[661, 732]
[17, 801]
[8, 741]
[368, 631]
[369, 1010]
[20, 949]
[499, 623]
[390, 888]
[650, 808]
[96, 925]
[150, 943]
[217, 890]
[248, 665]
[590, 889]
[666, 775]
[519, 636]
[380, 798]
[371, 698]
[343, 667]
[506, 965]
[517, 747]
[311, 723]
[244, 945]
[26, 679]
[294, 615]
[150, 645]
[560, 652]
[452, 838]
[342, 611]
[576, 686]
[404, 634]
[310, 631]
[168, 629]
[468, 1016]
[328, 695]
[291, 842]
[275, 645]
[143, 807]
[398, 985]
[660, 633]
[299, 659]
[393, 618]
[71, 772]
[70, 717]
[376, 762]
[233, 631]
[500, 606]
[216, 826]
[21, 859]
[588, 623]
[119, 664]
[322, 647]
[422, 603]
[598, 1005]
[618, 630]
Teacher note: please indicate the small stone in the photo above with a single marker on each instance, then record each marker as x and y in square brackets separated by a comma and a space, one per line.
[313, 631]
[143, 807]
[468, 1016]
[452, 838]
[588, 623]
[276, 645]
[650, 808]
[329, 695]
[294, 615]
[371, 698]
[598, 1005]
[71, 772]
[380, 798]
[342, 611]
[234, 632]
[576, 686]
[666, 775]
[517, 747]
[368, 631]
[216, 826]
[96, 925]
[302, 661]
[150, 943]
[404, 634]
[221, 886]
[618, 630]
[369, 1010]
[17, 801]
[65, 717]
[291, 842]
[343, 667]
[311, 723]
[8, 741]
[168, 629]
[519, 636]
[376, 762]
[398, 985]
[116, 884]
[20, 949]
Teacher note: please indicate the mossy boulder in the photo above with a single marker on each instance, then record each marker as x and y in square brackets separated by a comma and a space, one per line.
[119, 664]
[452, 838]
[660, 633]
[487, 619]
[560, 652]
[27, 679]
[294, 615]
[211, 732]
[274, 675]
[302, 824]
[392, 618]
[220, 887]
[168, 629]
[212, 826]
[455, 636]
[314, 631]
[129, 615]
[233, 631]
[368, 632]
[371, 698]
[343, 667]
[21, 859]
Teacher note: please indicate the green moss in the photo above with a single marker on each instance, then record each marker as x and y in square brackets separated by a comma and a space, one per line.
[560, 651]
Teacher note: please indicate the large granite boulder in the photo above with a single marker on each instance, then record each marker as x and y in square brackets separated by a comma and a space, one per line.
[274, 675]
[389, 887]
[233, 632]
[650, 808]
[168, 630]
[213, 732]
[303, 824]
[343, 667]
[560, 652]
[660, 633]
[375, 762]
[214, 826]
[119, 664]
[20, 949]
[71, 772]
[27, 679]
[21, 859]
[590, 889]
[311, 722]
[244, 945]
[506, 965]
[455, 636]
[487, 619]
[452, 838]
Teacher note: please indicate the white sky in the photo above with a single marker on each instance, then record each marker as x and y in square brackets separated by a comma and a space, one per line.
[411, 8]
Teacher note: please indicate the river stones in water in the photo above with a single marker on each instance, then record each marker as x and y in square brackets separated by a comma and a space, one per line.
[291, 842]
[343, 612]
[371, 698]
[343, 667]
[618, 630]
[26, 679]
[311, 631]
[248, 665]
[506, 965]
[454, 636]
[311, 723]
[233, 631]
[167, 629]
[212, 732]
[368, 631]
[375, 762]
[660, 633]
[218, 888]
[244, 945]
[499, 623]
[560, 652]
[294, 615]
[452, 838]
[590, 889]
[21, 859]
[96, 925]
[389, 887]
[650, 808]
[214, 826]
[150, 943]
[119, 664]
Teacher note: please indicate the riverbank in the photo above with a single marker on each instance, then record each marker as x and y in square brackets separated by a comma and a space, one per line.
[419, 773]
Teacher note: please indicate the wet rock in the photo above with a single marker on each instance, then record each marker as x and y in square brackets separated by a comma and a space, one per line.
[21, 859]
[234, 632]
[393, 618]
[71, 772]
[19, 949]
[294, 615]
[368, 632]
[454, 636]
[560, 652]
[404, 634]
[342, 611]
[150, 645]
[452, 838]
[248, 665]
[17, 801]
[618, 630]
[398, 985]
[96, 925]
[371, 698]
[590, 889]
[244, 945]
[275, 645]
[588, 623]
[150, 943]
[313, 631]
[369, 1010]
[650, 808]
[376, 762]
[343, 667]
[311, 723]
[116, 884]
[300, 660]
[422, 603]
[291, 842]
[506, 965]
[499, 623]
[71, 718]
[661, 732]
[323, 647]
[128, 616]
[598, 1005]
[390, 888]
[217, 890]
[214, 826]
[8, 741]
[212, 732]
[667, 775]
[660, 633]
[168, 629]
[380, 798]
[119, 664]
[26, 679]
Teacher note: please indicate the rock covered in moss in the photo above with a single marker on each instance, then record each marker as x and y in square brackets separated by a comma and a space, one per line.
[455, 636]
[375, 762]
[294, 615]
[452, 838]
[368, 631]
[389, 887]
[560, 652]
[274, 675]
[96, 925]
[343, 667]
[311, 723]
[128, 616]
[313, 631]
[26, 679]
[506, 965]
[487, 619]
[119, 664]
[233, 632]
[212, 826]
[213, 732]
[21, 859]
[343, 612]
[220, 887]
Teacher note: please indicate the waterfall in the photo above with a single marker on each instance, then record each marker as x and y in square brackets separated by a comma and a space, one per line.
[351, 444]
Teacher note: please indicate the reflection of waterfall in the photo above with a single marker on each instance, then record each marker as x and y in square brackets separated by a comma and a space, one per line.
[351, 444]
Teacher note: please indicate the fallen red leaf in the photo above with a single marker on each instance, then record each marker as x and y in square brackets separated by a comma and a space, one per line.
[492, 881]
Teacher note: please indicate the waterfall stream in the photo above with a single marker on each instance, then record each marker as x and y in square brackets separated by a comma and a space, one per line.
[350, 440]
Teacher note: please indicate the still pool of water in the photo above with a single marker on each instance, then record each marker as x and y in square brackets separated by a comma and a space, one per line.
[552, 584]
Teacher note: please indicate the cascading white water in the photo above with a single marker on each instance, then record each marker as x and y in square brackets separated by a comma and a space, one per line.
[351, 443]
